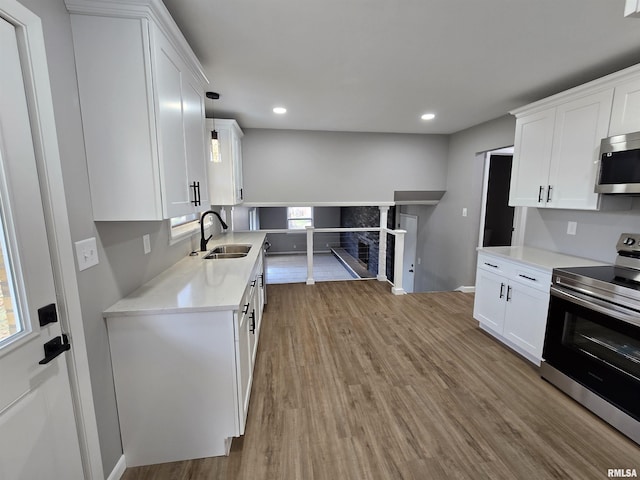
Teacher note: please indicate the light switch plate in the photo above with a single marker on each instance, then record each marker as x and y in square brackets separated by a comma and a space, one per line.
[464, 212]
[571, 228]
[146, 241]
[87, 253]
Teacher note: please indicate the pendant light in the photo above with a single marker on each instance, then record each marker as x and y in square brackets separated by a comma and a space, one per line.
[215, 144]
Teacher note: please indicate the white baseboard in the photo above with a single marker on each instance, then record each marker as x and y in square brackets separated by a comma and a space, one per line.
[118, 470]
[464, 289]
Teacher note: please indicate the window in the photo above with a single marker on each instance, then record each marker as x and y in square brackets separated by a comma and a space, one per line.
[185, 226]
[299, 217]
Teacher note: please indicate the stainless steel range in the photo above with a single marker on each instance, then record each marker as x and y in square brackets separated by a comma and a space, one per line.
[592, 342]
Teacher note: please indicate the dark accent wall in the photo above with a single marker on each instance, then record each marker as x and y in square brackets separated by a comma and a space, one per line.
[358, 217]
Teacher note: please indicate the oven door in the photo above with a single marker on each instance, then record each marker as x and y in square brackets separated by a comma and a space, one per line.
[597, 344]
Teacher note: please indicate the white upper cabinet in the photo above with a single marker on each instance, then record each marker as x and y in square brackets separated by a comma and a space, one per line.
[557, 142]
[556, 153]
[225, 172]
[625, 114]
[142, 100]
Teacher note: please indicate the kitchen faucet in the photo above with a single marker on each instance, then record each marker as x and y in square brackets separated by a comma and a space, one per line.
[203, 241]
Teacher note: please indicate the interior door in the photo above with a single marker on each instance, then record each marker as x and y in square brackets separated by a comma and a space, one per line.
[38, 433]
[410, 224]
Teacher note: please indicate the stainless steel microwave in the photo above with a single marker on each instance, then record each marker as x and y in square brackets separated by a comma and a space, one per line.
[619, 170]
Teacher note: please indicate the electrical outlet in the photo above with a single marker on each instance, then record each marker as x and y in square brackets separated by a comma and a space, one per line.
[571, 228]
[146, 241]
[419, 260]
[464, 212]
[86, 253]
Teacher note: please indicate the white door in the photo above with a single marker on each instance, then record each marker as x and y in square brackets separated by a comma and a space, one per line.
[410, 224]
[38, 434]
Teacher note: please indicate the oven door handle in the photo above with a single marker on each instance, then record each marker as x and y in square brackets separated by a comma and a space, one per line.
[615, 311]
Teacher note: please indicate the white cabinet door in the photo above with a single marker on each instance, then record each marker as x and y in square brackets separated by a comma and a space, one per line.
[526, 317]
[225, 175]
[625, 113]
[579, 127]
[244, 370]
[171, 137]
[238, 186]
[489, 303]
[531, 159]
[195, 138]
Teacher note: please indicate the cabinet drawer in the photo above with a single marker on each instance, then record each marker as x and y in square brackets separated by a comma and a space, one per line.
[495, 264]
[532, 277]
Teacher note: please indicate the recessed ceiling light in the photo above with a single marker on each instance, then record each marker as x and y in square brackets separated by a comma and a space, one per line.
[428, 116]
[279, 110]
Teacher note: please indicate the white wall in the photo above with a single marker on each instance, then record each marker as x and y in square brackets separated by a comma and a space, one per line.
[303, 166]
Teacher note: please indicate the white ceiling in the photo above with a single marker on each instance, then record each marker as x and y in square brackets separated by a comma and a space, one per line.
[377, 65]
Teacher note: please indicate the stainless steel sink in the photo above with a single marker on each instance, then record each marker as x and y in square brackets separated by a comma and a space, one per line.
[211, 256]
[230, 250]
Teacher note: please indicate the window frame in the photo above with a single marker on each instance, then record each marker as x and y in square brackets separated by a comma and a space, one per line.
[291, 217]
[185, 226]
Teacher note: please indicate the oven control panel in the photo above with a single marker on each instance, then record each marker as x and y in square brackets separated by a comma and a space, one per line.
[629, 242]
[629, 245]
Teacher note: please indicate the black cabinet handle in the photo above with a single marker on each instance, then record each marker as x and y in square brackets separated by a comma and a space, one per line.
[241, 194]
[253, 283]
[540, 193]
[549, 188]
[196, 194]
[491, 265]
[528, 278]
[246, 309]
[501, 290]
[55, 347]
[252, 327]
[508, 293]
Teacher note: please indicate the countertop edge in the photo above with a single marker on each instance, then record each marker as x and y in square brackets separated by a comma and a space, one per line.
[551, 257]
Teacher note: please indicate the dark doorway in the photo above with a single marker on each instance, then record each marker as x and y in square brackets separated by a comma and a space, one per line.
[498, 222]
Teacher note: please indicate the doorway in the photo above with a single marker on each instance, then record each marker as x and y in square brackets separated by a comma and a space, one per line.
[409, 223]
[497, 217]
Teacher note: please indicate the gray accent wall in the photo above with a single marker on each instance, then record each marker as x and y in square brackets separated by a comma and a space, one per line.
[123, 265]
[447, 241]
[295, 166]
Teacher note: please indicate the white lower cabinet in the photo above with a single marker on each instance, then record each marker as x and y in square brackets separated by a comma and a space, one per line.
[183, 380]
[511, 303]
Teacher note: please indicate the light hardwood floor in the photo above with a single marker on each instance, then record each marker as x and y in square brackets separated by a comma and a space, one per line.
[352, 382]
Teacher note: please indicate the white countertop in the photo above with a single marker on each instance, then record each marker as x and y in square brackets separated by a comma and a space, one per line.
[538, 258]
[194, 284]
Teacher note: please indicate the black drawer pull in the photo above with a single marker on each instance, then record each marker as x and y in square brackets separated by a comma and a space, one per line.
[528, 278]
[55, 347]
[246, 309]
[501, 290]
[540, 191]
[252, 327]
[491, 265]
